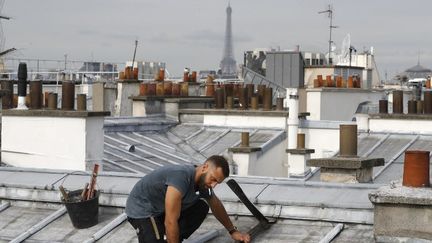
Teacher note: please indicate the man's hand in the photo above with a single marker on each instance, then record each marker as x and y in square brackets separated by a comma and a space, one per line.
[244, 237]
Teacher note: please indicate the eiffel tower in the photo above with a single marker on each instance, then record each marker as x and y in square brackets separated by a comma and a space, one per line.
[228, 64]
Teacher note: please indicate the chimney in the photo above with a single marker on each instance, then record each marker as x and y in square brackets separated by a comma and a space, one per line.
[245, 156]
[402, 211]
[397, 102]
[347, 167]
[22, 85]
[7, 98]
[297, 158]
[297, 153]
[71, 140]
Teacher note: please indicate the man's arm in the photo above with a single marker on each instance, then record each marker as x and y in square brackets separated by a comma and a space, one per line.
[172, 214]
[221, 215]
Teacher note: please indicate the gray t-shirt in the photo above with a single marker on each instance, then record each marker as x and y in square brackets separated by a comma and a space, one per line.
[147, 197]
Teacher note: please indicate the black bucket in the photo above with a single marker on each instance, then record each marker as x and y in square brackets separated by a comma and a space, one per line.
[83, 214]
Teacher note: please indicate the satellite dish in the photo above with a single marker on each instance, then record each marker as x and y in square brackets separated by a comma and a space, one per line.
[346, 44]
[333, 47]
[332, 53]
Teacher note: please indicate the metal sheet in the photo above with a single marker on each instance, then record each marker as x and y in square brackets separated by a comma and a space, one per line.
[391, 146]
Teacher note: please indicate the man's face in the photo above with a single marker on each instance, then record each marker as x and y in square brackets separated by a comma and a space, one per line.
[211, 176]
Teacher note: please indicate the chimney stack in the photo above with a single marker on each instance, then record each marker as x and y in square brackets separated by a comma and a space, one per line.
[402, 212]
[347, 167]
[22, 85]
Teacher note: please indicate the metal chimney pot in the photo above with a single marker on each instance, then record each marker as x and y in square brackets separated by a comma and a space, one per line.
[397, 102]
[348, 140]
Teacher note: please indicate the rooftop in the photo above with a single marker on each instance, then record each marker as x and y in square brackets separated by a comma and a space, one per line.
[306, 209]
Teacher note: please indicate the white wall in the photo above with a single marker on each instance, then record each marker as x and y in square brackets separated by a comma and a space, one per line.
[94, 141]
[325, 141]
[338, 104]
[400, 126]
[123, 105]
[52, 142]
[245, 121]
[271, 163]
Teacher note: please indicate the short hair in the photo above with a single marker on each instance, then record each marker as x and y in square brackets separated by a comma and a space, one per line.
[221, 162]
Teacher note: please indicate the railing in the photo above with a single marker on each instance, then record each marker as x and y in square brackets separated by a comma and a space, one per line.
[250, 76]
[56, 76]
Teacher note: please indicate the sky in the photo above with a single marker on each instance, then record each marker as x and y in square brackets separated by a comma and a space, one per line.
[190, 33]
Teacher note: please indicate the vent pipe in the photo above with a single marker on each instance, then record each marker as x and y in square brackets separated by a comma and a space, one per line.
[22, 85]
[36, 94]
[268, 97]
[250, 91]
[176, 89]
[301, 144]
[186, 75]
[244, 139]
[419, 107]
[52, 101]
[194, 76]
[350, 82]
[254, 102]
[261, 91]
[159, 89]
[81, 102]
[243, 99]
[279, 104]
[167, 86]
[229, 102]
[219, 98]
[68, 95]
[427, 104]
[383, 106]
[348, 140]
[151, 89]
[184, 89]
[412, 107]
[7, 99]
[397, 102]
[293, 120]
[143, 89]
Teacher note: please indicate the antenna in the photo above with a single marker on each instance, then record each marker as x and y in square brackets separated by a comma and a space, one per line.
[418, 58]
[3, 38]
[133, 59]
[331, 26]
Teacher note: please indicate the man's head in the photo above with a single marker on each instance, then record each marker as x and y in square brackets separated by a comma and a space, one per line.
[214, 170]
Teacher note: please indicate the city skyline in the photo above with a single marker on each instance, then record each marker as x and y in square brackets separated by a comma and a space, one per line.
[190, 33]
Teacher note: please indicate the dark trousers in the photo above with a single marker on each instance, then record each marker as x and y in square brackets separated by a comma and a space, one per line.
[189, 221]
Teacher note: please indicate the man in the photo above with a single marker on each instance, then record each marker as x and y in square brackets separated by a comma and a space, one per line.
[168, 202]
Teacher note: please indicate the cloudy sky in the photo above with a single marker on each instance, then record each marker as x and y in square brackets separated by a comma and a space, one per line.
[191, 32]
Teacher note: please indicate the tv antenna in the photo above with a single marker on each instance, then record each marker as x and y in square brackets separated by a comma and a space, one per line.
[329, 11]
[2, 37]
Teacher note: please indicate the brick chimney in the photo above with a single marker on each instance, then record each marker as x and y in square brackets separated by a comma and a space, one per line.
[403, 211]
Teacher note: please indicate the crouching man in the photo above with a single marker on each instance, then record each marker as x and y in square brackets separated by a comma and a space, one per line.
[173, 201]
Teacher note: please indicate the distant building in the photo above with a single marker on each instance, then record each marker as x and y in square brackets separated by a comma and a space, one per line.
[415, 72]
[204, 73]
[228, 66]
[98, 67]
[146, 69]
